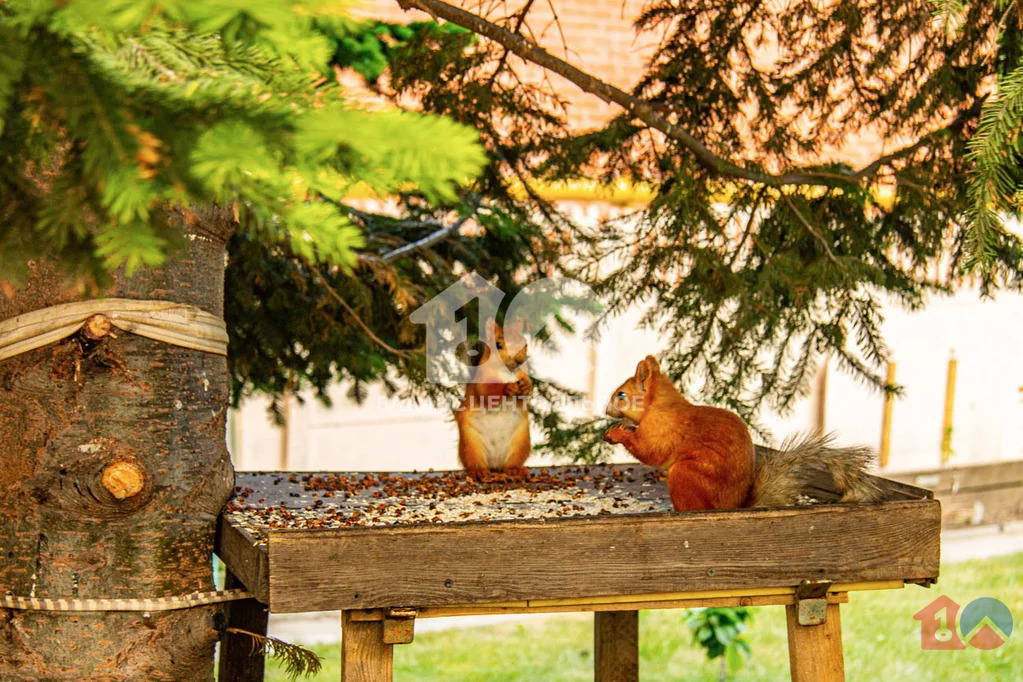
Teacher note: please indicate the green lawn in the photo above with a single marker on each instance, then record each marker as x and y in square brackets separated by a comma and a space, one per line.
[882, 641]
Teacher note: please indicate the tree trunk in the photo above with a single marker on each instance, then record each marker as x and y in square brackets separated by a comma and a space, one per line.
[70, 410]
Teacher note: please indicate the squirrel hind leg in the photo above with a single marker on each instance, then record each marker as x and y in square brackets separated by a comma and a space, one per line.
[519, 449]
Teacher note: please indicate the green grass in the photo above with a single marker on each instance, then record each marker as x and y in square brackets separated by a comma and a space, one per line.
[882, 641]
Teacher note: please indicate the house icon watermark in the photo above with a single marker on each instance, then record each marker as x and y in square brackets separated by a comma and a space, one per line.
[531, 309]
[985, 623]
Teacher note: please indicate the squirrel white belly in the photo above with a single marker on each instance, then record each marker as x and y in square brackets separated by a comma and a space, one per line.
[493, 419]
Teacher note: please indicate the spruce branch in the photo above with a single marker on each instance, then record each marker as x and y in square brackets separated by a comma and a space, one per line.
[995, 150]
[295, 659]
[519, 21]
[354, 315]
[648, 113]
[810, 228]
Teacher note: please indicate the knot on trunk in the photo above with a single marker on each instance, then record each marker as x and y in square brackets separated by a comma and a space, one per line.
[105, 480]
[97, 327]
[123, 479]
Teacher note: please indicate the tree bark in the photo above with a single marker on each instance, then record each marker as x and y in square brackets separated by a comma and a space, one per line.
[113, 469]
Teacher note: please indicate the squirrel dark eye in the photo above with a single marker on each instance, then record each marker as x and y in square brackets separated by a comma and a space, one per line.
[622, 395]
[500, 346]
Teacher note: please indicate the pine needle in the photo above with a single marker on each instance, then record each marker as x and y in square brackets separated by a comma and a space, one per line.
[295, 659]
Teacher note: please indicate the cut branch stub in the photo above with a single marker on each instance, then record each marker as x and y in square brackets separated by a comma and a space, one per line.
[123, 479]
[97, 327]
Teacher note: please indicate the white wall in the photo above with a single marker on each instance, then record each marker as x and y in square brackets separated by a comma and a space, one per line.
[988, 415]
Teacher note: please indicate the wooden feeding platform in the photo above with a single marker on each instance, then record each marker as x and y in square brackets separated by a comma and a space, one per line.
[386, 549]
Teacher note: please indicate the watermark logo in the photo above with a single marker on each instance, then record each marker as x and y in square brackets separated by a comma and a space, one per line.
[985, 623]
[446, 317]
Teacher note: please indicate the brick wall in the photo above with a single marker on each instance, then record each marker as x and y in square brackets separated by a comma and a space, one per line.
[598, 35]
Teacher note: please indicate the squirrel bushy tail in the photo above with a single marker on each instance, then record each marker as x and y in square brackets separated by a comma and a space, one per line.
[808, 470]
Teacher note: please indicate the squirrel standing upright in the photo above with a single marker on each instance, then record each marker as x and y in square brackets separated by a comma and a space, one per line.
[493, 420]
[710, 458]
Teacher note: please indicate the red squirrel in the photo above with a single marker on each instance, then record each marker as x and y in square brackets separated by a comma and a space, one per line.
[493, 420]
[710, 459]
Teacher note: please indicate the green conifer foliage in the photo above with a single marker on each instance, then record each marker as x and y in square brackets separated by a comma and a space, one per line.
[112, 110]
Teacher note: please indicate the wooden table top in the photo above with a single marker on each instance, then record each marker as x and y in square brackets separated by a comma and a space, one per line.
[280, 501]
[323, 541]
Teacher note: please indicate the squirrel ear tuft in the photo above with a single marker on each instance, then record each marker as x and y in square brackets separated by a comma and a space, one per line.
[516, 327]
[490, 330]
[647, 368]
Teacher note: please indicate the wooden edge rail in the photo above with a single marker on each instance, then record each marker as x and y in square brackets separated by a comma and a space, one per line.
[245, 558]
[323, 570]
[781, 596]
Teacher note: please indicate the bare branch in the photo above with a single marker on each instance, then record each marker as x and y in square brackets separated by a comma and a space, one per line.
[369, 218]
[426, 242]
[520, 19]
[440, 233]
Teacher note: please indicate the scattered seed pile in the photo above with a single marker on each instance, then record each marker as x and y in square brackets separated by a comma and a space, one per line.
[265, 501]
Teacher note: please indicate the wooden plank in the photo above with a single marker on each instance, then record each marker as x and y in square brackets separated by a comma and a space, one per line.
[815, 651]
[640, 554]
[710, 594]
[616, 646]
[673, 600]
[663, 596]
[524, 607]
[950, 480]
[244, 558]
[488, 610]
[238, 662]
[977, 494]
[364, 656]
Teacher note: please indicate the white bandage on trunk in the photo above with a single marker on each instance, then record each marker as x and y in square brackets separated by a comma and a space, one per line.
[178, 324]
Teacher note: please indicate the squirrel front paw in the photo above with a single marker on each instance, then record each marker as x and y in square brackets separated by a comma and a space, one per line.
[616, 434]
[522, 386]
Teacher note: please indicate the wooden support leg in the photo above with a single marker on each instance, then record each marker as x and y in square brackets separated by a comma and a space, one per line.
[616, 646]
[815, 651]
[237, 661]
[364, 655]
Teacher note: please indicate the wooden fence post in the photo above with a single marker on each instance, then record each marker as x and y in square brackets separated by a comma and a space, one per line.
[950, 398]
[886, 417]
[820, 398]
